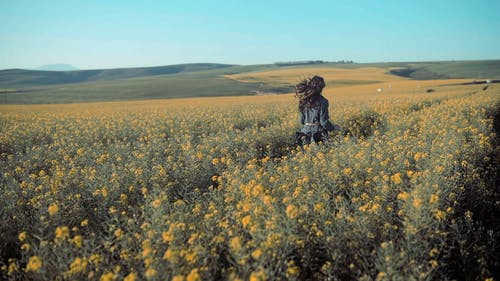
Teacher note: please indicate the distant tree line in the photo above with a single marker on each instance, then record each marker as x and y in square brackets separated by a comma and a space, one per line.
[290, 63]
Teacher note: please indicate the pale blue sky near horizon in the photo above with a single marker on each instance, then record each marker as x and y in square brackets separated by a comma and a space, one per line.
[110, 34]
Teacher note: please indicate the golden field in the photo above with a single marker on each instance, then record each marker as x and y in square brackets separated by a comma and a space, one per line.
[213, 188]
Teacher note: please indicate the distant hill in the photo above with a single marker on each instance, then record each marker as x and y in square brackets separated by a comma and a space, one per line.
[489, 69]
[177, 81]
[19, 86]
[57, 67]
[16, 78]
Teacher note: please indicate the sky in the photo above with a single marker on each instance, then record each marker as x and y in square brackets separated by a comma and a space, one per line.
[91, 34]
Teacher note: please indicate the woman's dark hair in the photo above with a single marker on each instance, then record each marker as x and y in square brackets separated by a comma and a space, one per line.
[308, 91]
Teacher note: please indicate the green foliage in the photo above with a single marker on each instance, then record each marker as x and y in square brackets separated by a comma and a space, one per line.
[365, 123]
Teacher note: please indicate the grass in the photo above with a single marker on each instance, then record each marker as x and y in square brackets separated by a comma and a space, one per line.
[26, 78]
[204, 80]
[451, 69]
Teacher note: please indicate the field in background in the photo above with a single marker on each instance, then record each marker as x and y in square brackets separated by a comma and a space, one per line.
[208, 80]
[213, 188]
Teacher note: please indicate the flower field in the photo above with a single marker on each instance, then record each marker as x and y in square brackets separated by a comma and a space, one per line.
[213, 189]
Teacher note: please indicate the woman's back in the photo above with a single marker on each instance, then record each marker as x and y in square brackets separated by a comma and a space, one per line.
[313, 111]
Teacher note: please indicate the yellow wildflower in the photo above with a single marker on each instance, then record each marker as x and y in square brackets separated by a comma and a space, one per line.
[246, 220]
[417, 202]
[22, 236]
[292, 271]
[256, 254]
[292, 211]
[118, 233]
[25, 247]
[235, 243]
[178, 278]
[131, 277]
[150, 273]
[78, 241]
[53, 209]
[156, 203]
[433, 252]
[381, 275]
[34, 263]
[167, 237]
[396, 178]
[84, 222]
[440, 215]
[108, 276]
[258, 275]
[62, 232]
[403, 196]
[78, 265]
[194, 275]
[434, 198]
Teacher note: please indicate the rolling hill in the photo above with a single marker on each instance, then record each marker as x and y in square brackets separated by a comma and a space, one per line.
[10, 78]
[20, 86]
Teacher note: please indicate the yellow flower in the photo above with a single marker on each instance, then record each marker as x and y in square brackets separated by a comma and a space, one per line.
[150, 273]
[417, 202]
[347, 171]
[235, 243]
[258, 275]
[25, 247]
[433, 252]
[396, 178]
[267, 199]
[292, 271]
[108, 276]
[118, 233]
[34, 263]
[167, 237]
[95, 259]
[403, 196]
[381, 275]
[194, 275]
[440, 215]
[256, 254]
[156, 203]
[84, 222]
[62, 232]
[13, 267]
[22, 236]
[319, 208]
[434, 198]
[146, 248]
[78, 265]
[131, 277]
[78, 241]
[178, 278]
[292, 211]
[246, 220]
[191, 257]
[53, 209]
[199, 155]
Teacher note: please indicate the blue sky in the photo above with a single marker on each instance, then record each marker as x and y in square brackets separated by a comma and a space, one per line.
[106, 34]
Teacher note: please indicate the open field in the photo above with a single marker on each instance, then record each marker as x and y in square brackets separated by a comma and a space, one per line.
[213, 189]
[206, 80]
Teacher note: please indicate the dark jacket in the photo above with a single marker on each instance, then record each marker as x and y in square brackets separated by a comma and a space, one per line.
[316, 118]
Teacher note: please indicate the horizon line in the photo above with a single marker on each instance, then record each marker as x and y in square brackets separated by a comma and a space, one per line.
[304, 62]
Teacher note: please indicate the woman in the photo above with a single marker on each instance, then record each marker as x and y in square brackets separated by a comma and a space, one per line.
[313, 111]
